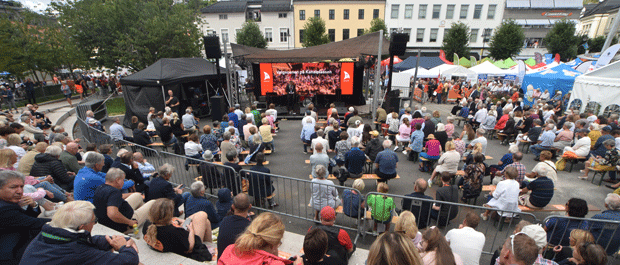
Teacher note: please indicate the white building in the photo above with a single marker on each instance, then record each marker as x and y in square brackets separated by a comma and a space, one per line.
[274, 17]
[428, 21]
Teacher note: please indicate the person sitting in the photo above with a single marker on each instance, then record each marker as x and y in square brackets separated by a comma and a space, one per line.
[386, 163]
[505, 196]
[353, 200]
[233, 225]
[479, 139]
[545, 141]
[448, 193]
[506, 160]
[211, 176]
[118, 132]
[416, 143]
[472, 180]
[404, 134]
[145, 167]
[167, 136]
[532, 134]
[224, 202]
[193, 149]
[230, 173]
[265, 133]
[161, 188]
[306, 131]
[466, 241]
[406, 225]
[559, 229]
[25, 164]
[258, 244]
[422, 209]
[607, 237]
[208, 140]
[48, 164]
[448, 162]
[261, 186]
[324, 193]
[490, 122]
[582, 144]
[373, 147]
[166, 233]
[18, 217]
[545, 166]
[565, 137]
[189, 122]
[61, 241]
[319, 158]
[339, 246]
[342, 148]
[140, 136]
[380, 252]
[354, 160]
[382, 206]
[606, 163]
[333, 136]
[589, 254]
[116, 210]
[90, 177]
[519, 249]
[441, 135]
[69, 159]
[131, 170]
[436, 249]
[195, 201]
[315, 247]
[256, 145]
[541, 188]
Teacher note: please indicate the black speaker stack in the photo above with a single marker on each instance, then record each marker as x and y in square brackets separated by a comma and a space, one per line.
[212, 47]
[218, 108]
[398, 43]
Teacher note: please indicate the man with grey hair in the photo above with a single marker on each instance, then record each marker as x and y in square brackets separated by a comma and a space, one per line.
[386, 162]
[90, 177]
[319, 158]
[320, 139]
[226, 146]
[145, 167]
[196, 201]
[117, 131]
[117, 210]
[90, 120]
[480, 115]
[354, 160]
[61, 240]
[56, 130]
[545, 141]
[612, 203]
[188, 121]
[29, 131]
[479, 139]
[48, 163]
[68, 158]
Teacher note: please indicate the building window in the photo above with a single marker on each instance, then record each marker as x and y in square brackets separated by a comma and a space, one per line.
[345, 14]
[301, 35]
[491, 13]
[360, 32]
[269, 34]
[464, 10]
[420, 35]
[394, 11]
[422, 12]
[360, 14]
[345, 34]
[486, 35]
[408, 11]
[281, 15]
[407, 31]
[317, 13]
[434, 35]
[375, 13]
[225, 35]
[436, 11]
[332, 14]
[284, 35]
[393, 30]
[477, 11]
[302, 14]
[331, 33]
[450, 12]
[223, 16]
[473, 36]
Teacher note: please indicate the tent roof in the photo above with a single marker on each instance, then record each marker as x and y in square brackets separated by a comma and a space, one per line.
[422, 73]
[172, 70]
[351, 48]
[609, 71]
[487, 68]
[425, 62]
[530, 61]
[561, 71]
[440, 69]
[458, 71]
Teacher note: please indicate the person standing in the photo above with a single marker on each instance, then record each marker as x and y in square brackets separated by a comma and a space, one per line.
[30, 91]
[172, 102]
[7, 94]
[66, 90]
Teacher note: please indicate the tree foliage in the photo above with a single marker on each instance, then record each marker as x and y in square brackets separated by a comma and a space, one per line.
[250, 35]
[596, 44]
[507, 40]
[314, 32]
[376, 25]
[457, 40]
[561, 39]
[130, 33]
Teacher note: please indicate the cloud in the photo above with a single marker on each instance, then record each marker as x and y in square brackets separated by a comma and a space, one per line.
[36, 5]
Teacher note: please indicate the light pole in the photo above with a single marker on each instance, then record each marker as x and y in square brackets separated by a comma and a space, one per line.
[484, 41]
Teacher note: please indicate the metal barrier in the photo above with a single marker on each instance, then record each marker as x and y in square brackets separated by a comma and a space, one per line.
[605, 232]
[451, 215]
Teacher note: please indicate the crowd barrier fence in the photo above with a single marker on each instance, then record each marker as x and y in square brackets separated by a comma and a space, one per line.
[606, 232]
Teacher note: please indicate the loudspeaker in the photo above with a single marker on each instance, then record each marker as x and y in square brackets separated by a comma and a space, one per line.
[212, 47]
[341, 111]
[398, 43]
[392, 101]
[218, 108]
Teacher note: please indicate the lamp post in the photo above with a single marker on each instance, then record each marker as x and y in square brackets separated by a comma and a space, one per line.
[484, 41]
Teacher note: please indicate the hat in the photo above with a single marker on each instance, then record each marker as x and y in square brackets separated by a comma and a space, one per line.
[207, 155]
[558, 92]
[374, 133]
[441, 127]
[537, 233]
[607, 128]
[423, 109]
[92, 121]
[351, 109]
[430, 136]
[328, 213]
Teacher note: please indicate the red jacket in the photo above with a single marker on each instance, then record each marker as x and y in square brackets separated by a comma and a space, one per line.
[501, 123]
[259, 257]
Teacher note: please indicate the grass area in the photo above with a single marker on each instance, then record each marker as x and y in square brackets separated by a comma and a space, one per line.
[116, 106]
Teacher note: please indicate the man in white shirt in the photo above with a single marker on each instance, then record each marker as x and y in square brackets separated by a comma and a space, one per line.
[479, 139]
[319, 139]
[481, 114]
[238, 110]
[118, 132]
[466, 241]
[145, 168]
[189, 122]
[308, 117]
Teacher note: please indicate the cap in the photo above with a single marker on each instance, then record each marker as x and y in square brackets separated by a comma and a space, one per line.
[607, 128]
[237, 106]
[537, 233]
[430, 136]
[374, 133]
[207, 155]
[328, 213]
[351, 109]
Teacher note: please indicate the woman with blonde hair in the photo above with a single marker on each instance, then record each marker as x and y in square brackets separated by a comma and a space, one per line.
[406, 224]
[265, 133]
[258, 244]
[577, 236]
[177, 125]
[14, 143]
[448, 162]
[166, 233]
[392, 248]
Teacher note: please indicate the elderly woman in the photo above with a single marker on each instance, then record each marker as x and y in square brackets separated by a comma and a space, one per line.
[323, 192]
[607, 163]
[432, 151]
[441, 135]
[448, 162]
[416, 143]
[74, 222]
[14, 143]
[472, 181]
[48, 164]
[18, 217]
[406, 224]
[195, 201]
[506, 195]
[256, 145]
[353, 200]
[161, 188]
[404, 133]
[564, 137]
[208, 140]
[342, 148]
[265, 133]
[450, 127]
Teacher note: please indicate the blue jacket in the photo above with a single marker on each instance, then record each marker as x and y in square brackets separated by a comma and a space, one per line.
[86, 182]
[355, 160]
[224, 202]
[61, 246]
[161, 188]
[193, 205]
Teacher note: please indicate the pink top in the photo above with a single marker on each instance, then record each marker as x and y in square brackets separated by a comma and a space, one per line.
[428, 258]
[404, 131]
[29, 180]
[433, 148]
[450, 129]
[38, 195]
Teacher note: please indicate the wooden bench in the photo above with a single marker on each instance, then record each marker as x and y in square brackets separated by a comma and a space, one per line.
[367, 161]
[491, 188]
[525, 146]
[244, 164]
[573, 161]
[485, 157]
[596, 172]
[369, 217]
[458, 120]
[365, 176]
[554, 208]
[247, 152]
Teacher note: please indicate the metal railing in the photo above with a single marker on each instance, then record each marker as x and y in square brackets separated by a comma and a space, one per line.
[605, 232]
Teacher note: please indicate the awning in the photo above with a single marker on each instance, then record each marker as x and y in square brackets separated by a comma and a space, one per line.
[538, 22]
[517, 3]
[521, 22]
[541, 4]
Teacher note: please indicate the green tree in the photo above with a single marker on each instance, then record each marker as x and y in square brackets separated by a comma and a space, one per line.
[457, 40]
[561, 39]
[585, 2]
[507, 40]
[376, 25]
[130, 33]
[596, 44]
[250, 35]
[314, 32]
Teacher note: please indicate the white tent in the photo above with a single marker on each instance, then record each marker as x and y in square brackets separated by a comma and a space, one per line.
[440, 69]
[422, 73]
[598, 90]
[487, 68]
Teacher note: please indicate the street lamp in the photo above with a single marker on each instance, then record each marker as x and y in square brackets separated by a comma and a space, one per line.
[484, 41]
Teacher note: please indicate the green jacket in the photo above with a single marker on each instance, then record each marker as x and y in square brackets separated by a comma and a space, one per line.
[70, 162]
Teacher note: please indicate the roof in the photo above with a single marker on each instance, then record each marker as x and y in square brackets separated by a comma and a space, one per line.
[543, 4]
[172, 70]
[351, 48]
[602, 7]
[241, 6]
[425, 62]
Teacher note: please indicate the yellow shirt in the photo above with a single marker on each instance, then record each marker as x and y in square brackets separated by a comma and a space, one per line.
[265, 133]
[594, 135]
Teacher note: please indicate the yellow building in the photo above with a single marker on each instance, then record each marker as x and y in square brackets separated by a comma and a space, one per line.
[343, 19]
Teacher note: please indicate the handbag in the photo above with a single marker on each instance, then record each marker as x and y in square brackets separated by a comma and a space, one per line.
[249, 157]
[560, 164]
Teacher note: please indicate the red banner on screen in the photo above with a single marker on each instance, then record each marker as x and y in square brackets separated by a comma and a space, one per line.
[266, 78]
[346, 79]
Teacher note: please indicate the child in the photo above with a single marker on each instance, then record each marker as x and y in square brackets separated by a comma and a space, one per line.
[381, 206]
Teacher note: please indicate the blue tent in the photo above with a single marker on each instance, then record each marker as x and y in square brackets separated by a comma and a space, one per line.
[425, 62]
[559, 78]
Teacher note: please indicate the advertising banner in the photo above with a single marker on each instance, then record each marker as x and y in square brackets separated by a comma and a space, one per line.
[307, 78]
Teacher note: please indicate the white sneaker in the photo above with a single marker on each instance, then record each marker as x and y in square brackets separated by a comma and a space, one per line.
[404, 152]
[430, 182]
[484, 217]
[395, 148]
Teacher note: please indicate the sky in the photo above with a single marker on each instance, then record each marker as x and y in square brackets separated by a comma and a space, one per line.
[35, 5]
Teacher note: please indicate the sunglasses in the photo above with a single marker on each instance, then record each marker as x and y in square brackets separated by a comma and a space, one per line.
[512, 241]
